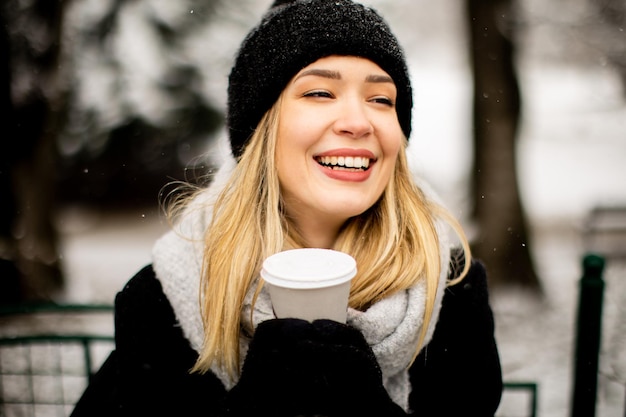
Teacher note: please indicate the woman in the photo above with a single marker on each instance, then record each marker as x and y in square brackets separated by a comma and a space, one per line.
[319, 115]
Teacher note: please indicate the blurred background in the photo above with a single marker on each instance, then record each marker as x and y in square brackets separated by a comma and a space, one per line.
[519, 124]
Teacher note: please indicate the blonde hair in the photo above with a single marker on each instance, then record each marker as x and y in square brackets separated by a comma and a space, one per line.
[395, 244]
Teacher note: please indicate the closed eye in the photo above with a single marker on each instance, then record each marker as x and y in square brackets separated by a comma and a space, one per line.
[383, 100]
[318, 93]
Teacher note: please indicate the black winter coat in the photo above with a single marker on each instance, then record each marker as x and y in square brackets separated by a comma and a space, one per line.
[294, 368]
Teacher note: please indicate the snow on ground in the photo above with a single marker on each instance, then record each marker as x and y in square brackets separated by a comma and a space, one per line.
[101, 251]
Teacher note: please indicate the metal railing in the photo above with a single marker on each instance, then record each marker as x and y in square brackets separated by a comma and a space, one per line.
[44, 373]
[531, 388]
[50, 370]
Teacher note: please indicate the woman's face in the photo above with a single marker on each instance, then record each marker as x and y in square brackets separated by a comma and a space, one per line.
[338, 140]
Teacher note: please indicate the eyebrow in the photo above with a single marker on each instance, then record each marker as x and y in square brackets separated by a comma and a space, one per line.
[379, 79]
[335, 75]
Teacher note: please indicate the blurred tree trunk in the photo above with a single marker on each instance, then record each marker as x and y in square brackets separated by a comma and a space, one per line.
[32, 105]
[9, 275]
[502, 241]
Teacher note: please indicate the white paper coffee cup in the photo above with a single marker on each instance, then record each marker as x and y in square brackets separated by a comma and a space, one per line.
[309, 283]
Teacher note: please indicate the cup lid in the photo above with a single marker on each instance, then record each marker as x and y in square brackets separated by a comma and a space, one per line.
[308, 268]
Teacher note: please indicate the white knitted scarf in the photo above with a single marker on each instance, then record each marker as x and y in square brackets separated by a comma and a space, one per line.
[391, 326]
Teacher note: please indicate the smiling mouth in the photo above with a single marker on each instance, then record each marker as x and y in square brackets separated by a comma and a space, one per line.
[345, 163]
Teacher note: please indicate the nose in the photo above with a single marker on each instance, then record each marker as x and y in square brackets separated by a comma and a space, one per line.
[352, 119]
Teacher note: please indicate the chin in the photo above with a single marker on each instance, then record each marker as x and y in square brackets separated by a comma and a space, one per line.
[349, 212]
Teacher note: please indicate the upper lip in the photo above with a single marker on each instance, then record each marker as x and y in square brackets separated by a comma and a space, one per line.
[363, 153]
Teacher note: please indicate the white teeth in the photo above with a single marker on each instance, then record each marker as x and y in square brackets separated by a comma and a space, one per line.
[356, 162]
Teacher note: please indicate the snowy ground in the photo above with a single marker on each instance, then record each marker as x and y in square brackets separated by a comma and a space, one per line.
[572, 157]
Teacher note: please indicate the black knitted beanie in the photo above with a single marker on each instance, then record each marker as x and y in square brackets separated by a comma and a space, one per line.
[294, 34]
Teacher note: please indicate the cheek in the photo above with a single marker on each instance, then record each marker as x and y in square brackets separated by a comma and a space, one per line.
[295, 140]
[290, 154]
[393, 146]
[391, 136]
[283, 140]
[392, 149]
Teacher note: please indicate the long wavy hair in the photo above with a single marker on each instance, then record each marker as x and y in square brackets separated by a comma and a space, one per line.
[395, 243]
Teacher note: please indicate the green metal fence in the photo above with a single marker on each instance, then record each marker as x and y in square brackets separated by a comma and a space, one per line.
[43, 373]
[530, 389]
